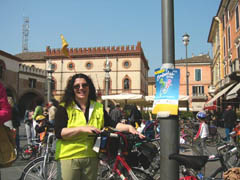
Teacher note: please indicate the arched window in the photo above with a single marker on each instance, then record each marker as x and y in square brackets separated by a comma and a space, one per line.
[126, 84]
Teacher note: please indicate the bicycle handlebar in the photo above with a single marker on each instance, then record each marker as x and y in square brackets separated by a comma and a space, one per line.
[109, 132]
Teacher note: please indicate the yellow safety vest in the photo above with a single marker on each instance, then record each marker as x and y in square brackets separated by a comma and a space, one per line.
[80, 146]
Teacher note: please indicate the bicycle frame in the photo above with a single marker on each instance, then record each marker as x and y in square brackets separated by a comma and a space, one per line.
[46, 155]
[121, 160]
[119, 164]
[220, 169]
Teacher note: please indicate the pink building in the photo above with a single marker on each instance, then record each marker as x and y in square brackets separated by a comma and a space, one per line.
[199, 68]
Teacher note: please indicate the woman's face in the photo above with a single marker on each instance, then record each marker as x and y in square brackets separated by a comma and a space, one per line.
[81, 89]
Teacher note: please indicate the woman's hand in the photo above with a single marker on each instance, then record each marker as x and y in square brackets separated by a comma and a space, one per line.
[133, 130]
[90, 129]
[128, 128]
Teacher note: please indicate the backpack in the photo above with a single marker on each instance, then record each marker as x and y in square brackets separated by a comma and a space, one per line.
[7, 146]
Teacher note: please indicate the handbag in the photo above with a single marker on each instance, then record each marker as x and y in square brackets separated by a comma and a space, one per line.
[8, 153]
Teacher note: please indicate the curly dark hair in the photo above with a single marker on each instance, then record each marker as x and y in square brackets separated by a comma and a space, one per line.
[69, 95]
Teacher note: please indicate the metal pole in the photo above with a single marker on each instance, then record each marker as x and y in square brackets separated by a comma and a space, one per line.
[117, 75]
[107, 79]
[169, 125]
[49, 78]
[49, 87]
[187, 79]
[107, 92]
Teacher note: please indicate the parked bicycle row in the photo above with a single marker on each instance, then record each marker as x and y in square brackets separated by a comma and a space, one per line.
[80, 114]
[140, 155]
[126, 155]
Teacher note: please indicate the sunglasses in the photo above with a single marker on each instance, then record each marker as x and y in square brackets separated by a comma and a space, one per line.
[84, 85]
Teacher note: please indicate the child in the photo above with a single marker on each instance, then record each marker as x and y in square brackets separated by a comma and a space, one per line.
[202, 133]
[43, 127]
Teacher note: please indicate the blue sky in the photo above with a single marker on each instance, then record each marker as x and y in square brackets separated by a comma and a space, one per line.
[93, 23]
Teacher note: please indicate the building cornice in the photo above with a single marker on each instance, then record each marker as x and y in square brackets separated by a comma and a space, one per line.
[119, 51]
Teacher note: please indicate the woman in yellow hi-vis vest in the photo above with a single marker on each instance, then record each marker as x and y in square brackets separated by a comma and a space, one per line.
[79, 115]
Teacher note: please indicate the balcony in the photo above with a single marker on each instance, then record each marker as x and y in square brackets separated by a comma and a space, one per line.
[199, 97]
[235, 76]
[211, 89]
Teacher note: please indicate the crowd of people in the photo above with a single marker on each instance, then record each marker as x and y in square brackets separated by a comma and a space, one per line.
[37, 116]
[79, 114]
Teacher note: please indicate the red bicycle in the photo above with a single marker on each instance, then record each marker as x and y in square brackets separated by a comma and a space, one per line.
[116, 160]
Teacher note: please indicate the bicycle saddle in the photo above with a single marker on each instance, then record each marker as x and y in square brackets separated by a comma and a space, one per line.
[194, 162]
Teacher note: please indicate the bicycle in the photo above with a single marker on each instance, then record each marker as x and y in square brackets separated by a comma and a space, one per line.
[214, 137]
[118, 162]
[32, 150]
[191, 166]
[44, 167]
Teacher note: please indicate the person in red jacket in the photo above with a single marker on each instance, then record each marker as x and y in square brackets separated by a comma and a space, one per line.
[5, 108]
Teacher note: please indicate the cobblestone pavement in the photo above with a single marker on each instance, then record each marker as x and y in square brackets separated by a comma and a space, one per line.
[14, 172]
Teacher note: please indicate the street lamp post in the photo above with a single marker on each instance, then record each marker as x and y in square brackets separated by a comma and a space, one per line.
[107, 80]
[185, 42]
[49, 78]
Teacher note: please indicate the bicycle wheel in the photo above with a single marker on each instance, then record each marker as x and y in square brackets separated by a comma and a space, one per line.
[27, 152]
[34, 170]
[188, 140]
[105, 172]
[232, 160]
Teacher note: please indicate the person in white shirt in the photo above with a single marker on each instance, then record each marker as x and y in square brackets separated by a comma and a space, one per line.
[52, 108]
[202, 133]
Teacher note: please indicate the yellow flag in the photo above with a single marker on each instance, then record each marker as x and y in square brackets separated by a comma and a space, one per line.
[64, 47]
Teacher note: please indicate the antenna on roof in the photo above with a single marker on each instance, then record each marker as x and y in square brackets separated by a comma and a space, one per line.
[25, 33]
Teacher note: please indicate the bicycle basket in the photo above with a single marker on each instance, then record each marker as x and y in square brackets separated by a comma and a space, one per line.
[132, 159]
[212, 130]
[109, 146]
[149, 150]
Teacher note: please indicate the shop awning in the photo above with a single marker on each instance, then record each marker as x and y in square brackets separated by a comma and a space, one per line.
[219, 94]
[180, 98]
[211, 106]
[233, 93]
